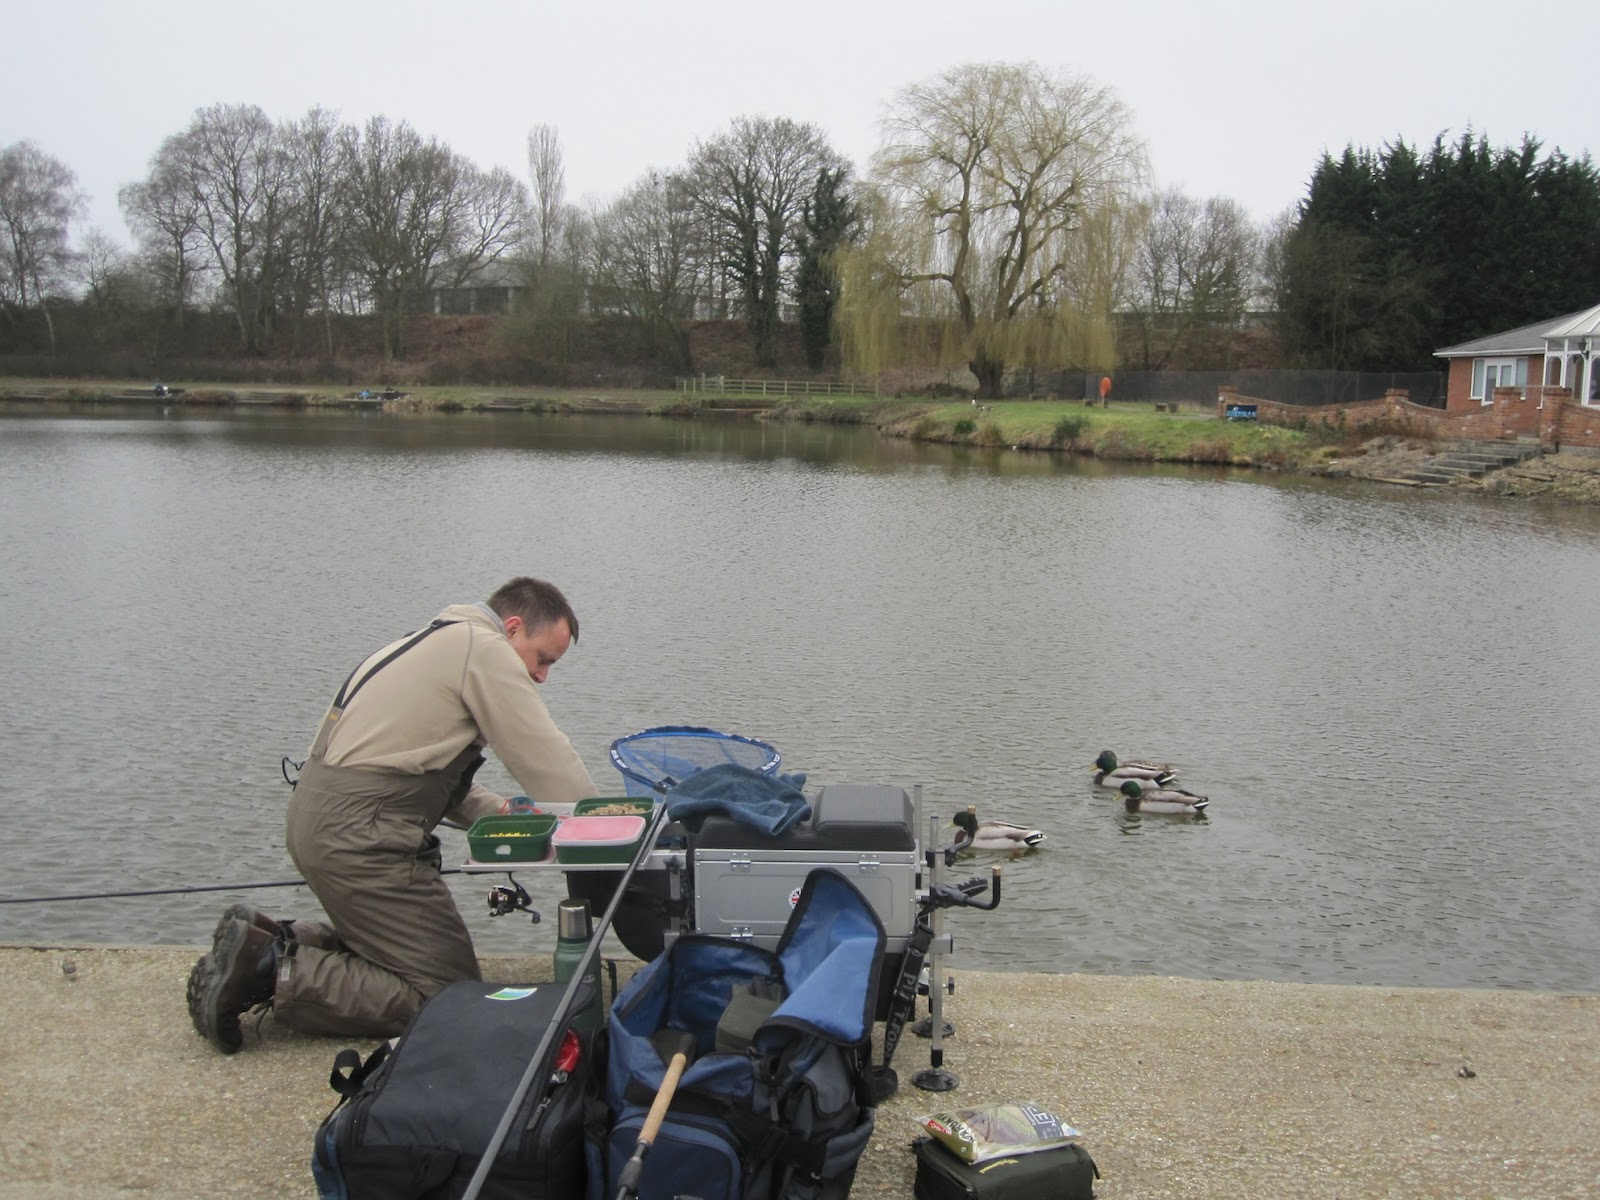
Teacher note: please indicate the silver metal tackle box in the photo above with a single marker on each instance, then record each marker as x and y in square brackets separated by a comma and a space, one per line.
[746, 884]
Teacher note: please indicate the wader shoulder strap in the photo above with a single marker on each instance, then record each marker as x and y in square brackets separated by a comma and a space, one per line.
[342, 700]
[347, 693]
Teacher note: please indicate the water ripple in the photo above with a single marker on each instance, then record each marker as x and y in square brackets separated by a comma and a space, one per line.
[1382, 691]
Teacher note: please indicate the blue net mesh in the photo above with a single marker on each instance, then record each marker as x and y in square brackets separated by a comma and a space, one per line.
[655, 760]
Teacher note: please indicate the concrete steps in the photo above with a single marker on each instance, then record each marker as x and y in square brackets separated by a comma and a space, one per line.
[1471, 461]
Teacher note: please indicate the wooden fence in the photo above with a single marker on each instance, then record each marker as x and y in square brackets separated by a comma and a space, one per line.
[722, 385]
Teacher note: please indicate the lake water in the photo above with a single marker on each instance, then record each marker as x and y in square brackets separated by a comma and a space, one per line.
[1388, 694]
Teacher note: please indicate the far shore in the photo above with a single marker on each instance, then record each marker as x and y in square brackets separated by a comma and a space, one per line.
[1182, 1088]
[1119, 431]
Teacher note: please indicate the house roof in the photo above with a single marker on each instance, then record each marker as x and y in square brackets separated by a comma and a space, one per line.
[1585, 324]
[1528, 339]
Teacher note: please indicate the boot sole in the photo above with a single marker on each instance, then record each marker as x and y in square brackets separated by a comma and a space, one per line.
[250, 916]
[204, 992]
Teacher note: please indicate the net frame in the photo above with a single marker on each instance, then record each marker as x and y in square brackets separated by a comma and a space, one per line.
[653, 761]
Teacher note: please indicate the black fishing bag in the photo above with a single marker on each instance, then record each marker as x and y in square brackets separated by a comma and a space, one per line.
[415, 1120]
[1064, 1172]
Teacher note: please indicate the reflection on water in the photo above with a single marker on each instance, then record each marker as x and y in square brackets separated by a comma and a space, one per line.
[1382, 691]
[1134, 823]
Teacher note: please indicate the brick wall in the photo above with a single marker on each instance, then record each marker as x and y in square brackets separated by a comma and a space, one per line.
[1458, 387]
[1567, 423]
[1548, 413]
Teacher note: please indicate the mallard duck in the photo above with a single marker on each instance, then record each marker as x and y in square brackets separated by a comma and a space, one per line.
[1143, 798]
[993, 835]
[1110, 773]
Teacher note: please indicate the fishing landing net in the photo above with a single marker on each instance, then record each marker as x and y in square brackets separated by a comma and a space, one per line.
[655, 760]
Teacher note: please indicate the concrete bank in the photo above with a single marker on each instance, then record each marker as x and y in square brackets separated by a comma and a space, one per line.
[1182, 1088]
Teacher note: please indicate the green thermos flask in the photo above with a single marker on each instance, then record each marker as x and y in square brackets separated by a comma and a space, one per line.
[573, 934]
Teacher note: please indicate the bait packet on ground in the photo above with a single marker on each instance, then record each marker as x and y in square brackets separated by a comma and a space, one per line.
[992, 1130]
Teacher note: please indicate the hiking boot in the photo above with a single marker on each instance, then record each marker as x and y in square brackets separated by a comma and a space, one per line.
[233, 978]
[252, 916]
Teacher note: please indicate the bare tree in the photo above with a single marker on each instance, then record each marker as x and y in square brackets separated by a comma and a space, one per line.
[236, 169]
[39, 200]
[1272, 237]
[488, 218]
[987, 176]
[555, 295]
[105, 270]
[394, 188]
[419, 217]
[164, 215]
[549, 175]
[311, 227]
[642, 263]
[554, 260]
[750, 186]
[1194, 272]
[115, 294]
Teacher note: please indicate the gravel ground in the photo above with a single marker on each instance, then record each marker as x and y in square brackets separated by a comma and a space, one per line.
[1182, 1088]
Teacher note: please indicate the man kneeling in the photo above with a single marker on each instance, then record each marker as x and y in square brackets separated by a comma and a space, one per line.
[394, 757]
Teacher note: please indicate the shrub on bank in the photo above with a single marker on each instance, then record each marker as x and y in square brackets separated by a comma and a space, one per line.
[1068, 430]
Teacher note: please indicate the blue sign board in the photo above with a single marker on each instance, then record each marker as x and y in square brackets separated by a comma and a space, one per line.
[1241, 412]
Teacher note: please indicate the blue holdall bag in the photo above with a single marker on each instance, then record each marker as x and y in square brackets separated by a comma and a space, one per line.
[775, 1103]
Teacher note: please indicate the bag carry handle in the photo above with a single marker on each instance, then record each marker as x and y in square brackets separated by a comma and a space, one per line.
[350, 1072]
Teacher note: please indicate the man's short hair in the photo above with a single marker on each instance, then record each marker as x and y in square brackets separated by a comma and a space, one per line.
[538, 604]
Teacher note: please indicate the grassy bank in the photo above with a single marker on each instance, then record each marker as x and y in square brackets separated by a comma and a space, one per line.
[455, 398]
[1123, 432]
[1127, 432]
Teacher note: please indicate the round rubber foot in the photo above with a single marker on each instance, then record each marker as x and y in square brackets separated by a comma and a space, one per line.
[883, 1083]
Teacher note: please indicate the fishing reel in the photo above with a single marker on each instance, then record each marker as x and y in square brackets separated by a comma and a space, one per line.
[511, 897]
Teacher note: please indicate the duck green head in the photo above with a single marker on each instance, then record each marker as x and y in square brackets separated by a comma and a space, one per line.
[1107, 761]
[968, 821]
[1132, 790]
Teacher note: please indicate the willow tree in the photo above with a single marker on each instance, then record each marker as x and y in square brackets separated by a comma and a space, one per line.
[989, 180]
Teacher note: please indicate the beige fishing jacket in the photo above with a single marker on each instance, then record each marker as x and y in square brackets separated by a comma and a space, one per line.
[459, 685]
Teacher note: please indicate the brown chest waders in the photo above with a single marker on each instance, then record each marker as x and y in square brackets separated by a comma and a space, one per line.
[363, 838]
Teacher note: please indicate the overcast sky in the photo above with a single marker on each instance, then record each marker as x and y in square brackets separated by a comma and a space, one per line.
[1234, 97]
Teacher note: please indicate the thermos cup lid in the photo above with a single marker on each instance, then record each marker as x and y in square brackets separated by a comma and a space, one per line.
[572, 920]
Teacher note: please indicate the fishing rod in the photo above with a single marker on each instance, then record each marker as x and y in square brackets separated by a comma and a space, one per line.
[174, 891]
[558, 1021]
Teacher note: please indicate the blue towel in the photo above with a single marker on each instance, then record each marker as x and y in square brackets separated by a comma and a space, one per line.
[770, 804]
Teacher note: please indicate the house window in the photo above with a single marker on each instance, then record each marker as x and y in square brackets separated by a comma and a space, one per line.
[1490, 373]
